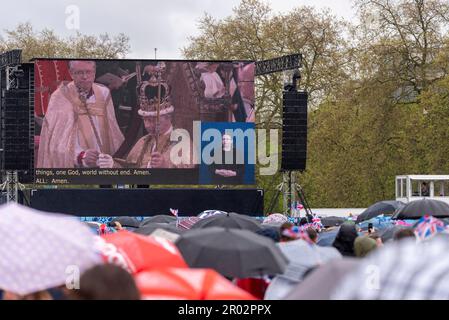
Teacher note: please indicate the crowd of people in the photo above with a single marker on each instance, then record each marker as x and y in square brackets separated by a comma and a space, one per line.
[129, 263]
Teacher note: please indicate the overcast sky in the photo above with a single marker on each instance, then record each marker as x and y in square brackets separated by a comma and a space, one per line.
[162, 24]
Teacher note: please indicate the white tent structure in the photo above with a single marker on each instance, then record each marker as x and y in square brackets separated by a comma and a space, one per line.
[417, 187]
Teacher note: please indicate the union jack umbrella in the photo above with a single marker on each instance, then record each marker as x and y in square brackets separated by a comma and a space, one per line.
[428, 227]
[316, 223]
[402, 223]
[187, 223]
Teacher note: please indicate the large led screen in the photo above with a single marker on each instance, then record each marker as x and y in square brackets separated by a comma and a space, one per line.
[144, 122]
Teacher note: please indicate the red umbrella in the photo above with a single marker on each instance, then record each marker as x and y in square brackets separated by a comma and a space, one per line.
[137, 253]
[188, 284]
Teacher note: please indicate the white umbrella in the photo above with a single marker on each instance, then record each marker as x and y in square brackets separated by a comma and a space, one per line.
[40, 250]
[401, 270]
[322, 281]
[302, 257]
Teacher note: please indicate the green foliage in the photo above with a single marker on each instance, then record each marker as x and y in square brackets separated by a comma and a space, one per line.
[46, 43]
[378, 87]
[379, 90]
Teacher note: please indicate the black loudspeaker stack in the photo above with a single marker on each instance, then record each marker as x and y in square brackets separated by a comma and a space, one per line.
[17, 123]
[294, 131]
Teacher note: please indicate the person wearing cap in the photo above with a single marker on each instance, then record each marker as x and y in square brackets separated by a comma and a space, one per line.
[80, 122]
[154, 149]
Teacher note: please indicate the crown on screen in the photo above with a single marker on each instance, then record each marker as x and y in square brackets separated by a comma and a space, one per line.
[154, 92]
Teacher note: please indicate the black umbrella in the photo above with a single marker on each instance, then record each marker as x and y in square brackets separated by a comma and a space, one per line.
[151, 227]
[161, 218]
[229, 220]
[419, 208]
[270, 232]
[332, 221]
[271, 225]
[233, 253]
[381, 207]
[127, 222]
[326, 238]
[388, 233]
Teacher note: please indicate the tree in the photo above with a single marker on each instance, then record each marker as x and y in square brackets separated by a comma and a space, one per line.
[253, 32]
[46, 43]
[409, 35]
[389, 116]
[379, 89]
[435, 100]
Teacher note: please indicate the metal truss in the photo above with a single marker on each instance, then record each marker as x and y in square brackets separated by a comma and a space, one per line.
[291, 192]
[12, 75]
[11, 185]
[9, 58]
[283, 63]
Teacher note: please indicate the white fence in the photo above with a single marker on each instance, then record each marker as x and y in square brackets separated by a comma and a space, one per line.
[338, 212]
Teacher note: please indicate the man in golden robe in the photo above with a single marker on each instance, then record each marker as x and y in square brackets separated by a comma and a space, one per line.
[80, 122]
[155, 150]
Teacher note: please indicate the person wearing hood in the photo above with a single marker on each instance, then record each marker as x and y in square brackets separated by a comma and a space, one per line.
[344, 242]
